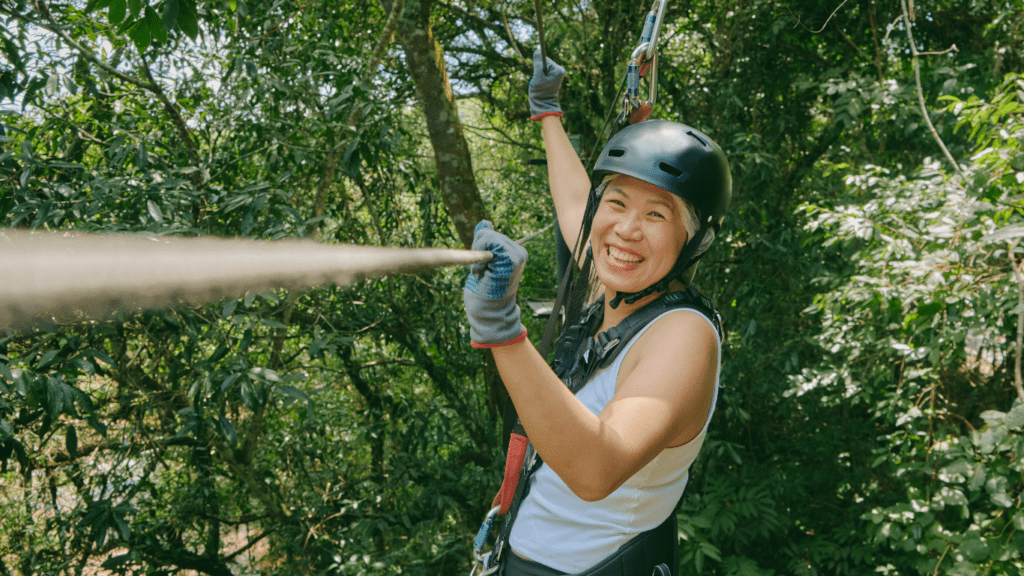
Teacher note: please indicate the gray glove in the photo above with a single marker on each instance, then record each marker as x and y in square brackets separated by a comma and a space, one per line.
[490, 292]
[544, 88]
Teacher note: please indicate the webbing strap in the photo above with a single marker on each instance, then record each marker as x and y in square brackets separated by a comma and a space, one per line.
[517, 444]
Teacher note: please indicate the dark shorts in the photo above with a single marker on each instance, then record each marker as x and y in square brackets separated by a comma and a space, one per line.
[519, 566]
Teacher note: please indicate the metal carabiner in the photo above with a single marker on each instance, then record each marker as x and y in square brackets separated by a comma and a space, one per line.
[647, 47]
[656, 25]
[485, 564]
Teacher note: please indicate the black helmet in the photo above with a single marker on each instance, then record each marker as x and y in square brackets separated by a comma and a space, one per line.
[675, 157]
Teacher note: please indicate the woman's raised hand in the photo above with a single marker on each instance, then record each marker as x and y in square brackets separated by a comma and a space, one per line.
[544, 88]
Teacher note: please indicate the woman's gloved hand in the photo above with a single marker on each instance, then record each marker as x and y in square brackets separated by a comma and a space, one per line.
[490, 292]
[544, 88]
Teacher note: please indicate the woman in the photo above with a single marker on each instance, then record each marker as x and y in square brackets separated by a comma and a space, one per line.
[615, 455]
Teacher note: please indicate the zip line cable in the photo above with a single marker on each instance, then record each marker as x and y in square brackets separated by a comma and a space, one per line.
[67, 276]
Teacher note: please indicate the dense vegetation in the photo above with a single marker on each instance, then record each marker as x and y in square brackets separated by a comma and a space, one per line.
[870, 275]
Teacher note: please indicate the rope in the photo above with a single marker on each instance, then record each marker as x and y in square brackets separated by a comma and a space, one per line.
[540, 34]
[68, 276]
[65, 276]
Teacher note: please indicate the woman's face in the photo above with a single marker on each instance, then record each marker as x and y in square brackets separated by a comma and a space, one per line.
[637, 234]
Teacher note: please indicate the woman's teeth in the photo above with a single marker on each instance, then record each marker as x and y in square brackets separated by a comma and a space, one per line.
[623, 256]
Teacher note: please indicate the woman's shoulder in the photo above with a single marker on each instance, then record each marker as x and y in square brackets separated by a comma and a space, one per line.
[678, 335]
[682, 327]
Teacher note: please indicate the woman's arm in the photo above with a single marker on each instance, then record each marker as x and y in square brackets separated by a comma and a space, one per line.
[662, 399]
[567, 179]
[566, 175]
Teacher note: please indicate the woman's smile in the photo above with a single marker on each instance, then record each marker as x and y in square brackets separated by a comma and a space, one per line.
[623, 258]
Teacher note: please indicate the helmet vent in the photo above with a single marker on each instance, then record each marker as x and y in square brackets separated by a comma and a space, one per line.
[699, 139]
[670, 169]
[616, 152]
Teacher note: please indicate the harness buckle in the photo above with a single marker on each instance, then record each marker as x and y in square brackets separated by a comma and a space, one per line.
[608, 340]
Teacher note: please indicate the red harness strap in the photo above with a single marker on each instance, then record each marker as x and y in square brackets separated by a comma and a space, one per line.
[513, 469]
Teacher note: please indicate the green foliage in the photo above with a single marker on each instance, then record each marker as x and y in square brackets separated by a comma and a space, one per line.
[867, 421]
[913, 331]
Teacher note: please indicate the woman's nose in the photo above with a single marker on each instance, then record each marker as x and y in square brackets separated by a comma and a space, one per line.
[628, 226]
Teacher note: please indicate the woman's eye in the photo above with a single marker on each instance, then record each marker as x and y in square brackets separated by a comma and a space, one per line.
[657, 215]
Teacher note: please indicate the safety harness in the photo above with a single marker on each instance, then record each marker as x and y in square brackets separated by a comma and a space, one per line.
[580, 353]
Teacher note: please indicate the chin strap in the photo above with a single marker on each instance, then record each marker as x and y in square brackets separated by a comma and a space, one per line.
[685, 260]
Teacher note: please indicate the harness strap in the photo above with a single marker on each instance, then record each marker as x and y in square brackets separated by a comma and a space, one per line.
[517, 444]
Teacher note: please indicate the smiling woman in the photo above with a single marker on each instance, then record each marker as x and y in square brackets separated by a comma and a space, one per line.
[623, 410]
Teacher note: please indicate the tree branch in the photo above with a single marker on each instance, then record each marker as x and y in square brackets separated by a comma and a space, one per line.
[1017, 380]
[799, 23]
[89, 55]
[179, 124]
[920, 91]
[331, 164]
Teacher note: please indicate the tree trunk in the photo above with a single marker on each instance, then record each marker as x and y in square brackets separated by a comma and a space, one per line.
[451, 152]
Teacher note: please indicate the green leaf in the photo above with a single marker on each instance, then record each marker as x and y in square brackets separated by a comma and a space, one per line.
[229, 430]
[140, 35]
[135, 6]
[47, 359]
[94, 354]
[116, 12]
[293, 392]
[71, 441]
[84, 365]
[247, 395]
[169, 17]
[154, 211]
[273, 323]
[184, 430]
[122, 528]
[156, 25]
[229, 308]
[316, 346]
[1015, 418]
[1018, 521]
[992, 417]
[54, 398]
[265, 374]
[117, 561]
[5, 371]
[188, 19]
[68, 165]
[141, 158]
[1004, 234]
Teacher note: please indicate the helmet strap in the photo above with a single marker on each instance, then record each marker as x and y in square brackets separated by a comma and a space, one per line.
[685, 260]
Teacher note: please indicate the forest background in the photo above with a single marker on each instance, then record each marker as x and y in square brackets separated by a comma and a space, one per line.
[869, 274]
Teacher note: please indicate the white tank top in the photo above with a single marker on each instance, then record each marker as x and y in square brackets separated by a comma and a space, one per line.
[558, 529]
